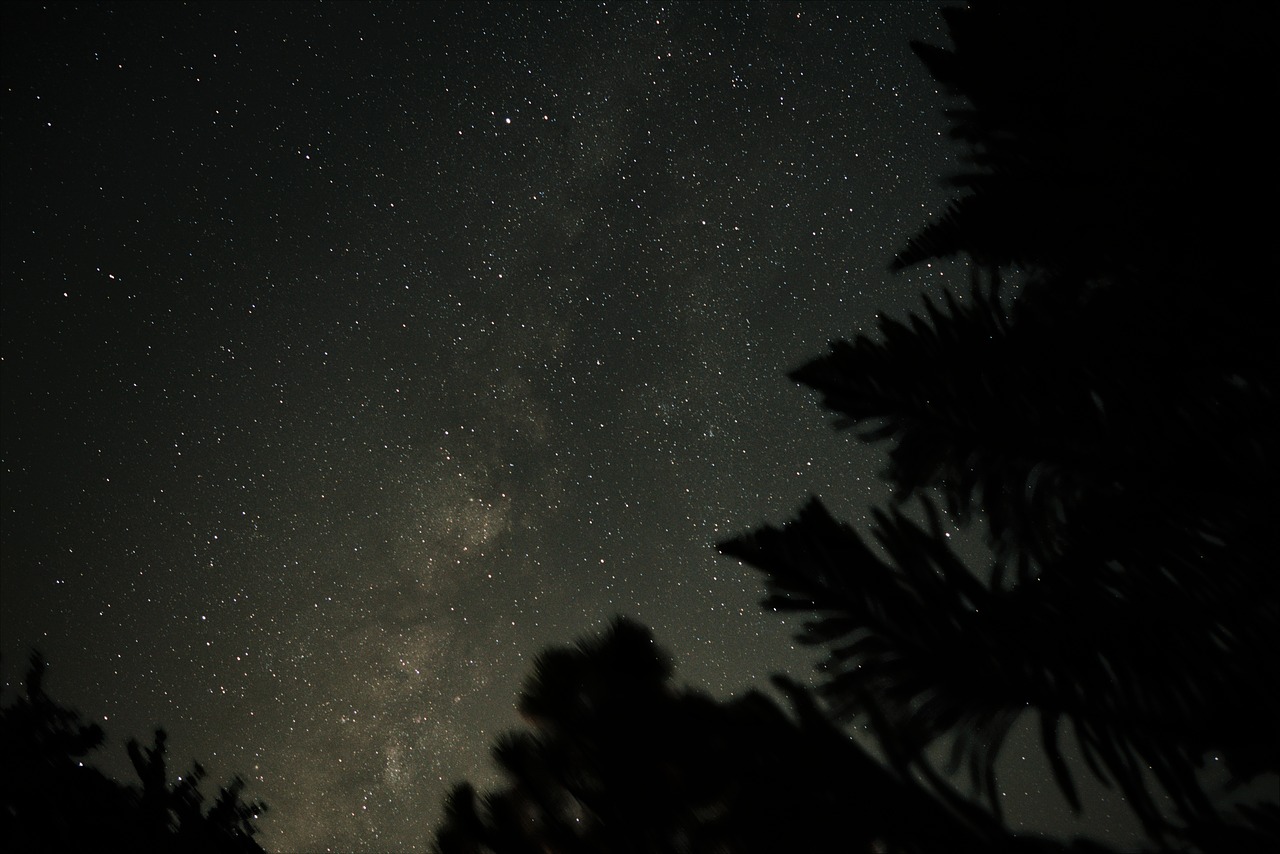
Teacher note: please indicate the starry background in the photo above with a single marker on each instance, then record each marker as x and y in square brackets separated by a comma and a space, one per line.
[354, 353]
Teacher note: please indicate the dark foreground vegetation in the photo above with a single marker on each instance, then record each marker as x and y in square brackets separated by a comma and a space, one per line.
[53, 799]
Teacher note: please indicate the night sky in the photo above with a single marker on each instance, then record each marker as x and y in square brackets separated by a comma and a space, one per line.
[355, 353]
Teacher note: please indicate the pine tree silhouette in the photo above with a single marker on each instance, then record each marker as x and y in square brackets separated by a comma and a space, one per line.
[619, 760]
[51, 800]
[1115, 425]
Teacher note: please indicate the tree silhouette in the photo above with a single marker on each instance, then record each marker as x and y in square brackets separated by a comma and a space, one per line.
[617, 759]
[1102, 137]
[53, 801]
[1115, 426]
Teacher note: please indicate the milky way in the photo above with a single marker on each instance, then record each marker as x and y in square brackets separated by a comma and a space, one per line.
[354, 353]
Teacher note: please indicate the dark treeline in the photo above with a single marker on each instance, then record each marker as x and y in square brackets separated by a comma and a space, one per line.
[1101, 404]
[617, 759]
[53, 799]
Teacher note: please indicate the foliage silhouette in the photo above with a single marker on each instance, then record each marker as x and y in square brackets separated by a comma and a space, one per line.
[1115, 424]
[1102, 137]
[53, 801]
[617, 759]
